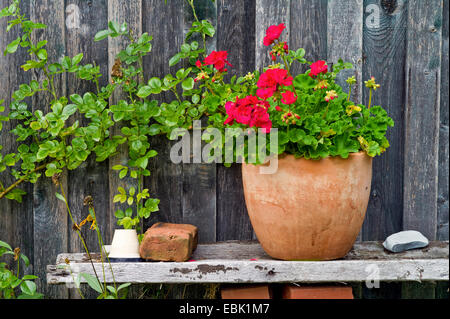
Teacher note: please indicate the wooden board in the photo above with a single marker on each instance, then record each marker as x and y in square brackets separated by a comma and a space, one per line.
[164, 22]
[309, 30]
[237, 37]
[83, 20]
[198, 196]
[423, 76]
[269, 13]
[345, 27]
[382, 45]
[131, 13]
[16, 220]
[234, 262]
[50, 214]
[443, 188]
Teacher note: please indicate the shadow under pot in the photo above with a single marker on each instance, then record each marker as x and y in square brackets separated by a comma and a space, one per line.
[125, 246]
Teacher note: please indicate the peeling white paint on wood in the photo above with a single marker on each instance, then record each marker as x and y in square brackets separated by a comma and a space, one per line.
[234, 262]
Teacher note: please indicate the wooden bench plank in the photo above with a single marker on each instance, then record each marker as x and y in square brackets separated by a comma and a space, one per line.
[246, 262]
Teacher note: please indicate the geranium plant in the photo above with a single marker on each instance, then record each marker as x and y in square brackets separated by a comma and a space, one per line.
[315, 118]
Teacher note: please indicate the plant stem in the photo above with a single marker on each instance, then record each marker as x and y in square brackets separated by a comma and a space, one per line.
[18, 265]
[20, 181]
[349, 93]
[79, 234]
[174, 90]
[191, 3]
[370, 99]
[78, 288]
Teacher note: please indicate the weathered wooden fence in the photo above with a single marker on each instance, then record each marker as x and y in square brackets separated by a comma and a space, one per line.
[404, 44]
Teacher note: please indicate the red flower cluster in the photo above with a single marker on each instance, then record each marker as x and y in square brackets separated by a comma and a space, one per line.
[218, 59]
[318, 68]
[273, 33]
[249, 111]
[270, 80]
[288, 97]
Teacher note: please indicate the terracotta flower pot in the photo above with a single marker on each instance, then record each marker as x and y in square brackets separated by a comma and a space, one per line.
[309, 210]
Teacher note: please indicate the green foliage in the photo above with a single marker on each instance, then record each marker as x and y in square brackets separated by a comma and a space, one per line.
[11, 285]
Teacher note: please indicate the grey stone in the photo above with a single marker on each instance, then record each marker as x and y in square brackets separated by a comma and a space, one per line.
[405, 240]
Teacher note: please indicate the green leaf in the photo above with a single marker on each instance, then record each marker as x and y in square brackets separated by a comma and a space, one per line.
[123, 286]
[77, 59]
[144, 92]
[69, 110]
[188, 84]
[27, 263]
[142, 162]
[175, 59]
[304, 82]
[195, 98]
[102, 35]
[123, 173]
[12, 47]
[208, 29]
[155, 82]
[75, 98]
[5, 245]
[60, 197]
[92, 282]
[35, 126]
[28, 287]
[119, 214]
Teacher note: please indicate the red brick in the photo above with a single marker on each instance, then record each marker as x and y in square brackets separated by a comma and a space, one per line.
[317, 292]
[169, 242]
[249, 292]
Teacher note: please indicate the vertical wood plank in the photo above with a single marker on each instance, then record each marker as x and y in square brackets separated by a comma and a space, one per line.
[16, 220]
[442, 290]
[443, 200]
[83, 20]
[236, 35]
[50, 214]
[345, 29]
[309, 30]
[417, 290]
[165, 22]
[90, 17]
[345, 41]
[387, 290]
[269, 13]
[384, 44]
[422, 116]
[199, 180]
[131, 13]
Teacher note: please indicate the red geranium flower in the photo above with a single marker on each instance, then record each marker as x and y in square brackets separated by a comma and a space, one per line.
[288, 98]
[218, 59]
[273, 33]
[249, 111]
[198, 64]
[318, 68]
[271, 80]
[265, 93]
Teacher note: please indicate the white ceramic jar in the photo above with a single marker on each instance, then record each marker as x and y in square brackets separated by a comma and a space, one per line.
[125, 245]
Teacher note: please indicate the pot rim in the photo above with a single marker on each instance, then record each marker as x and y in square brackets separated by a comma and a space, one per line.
[360, 153]
[286, 155]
